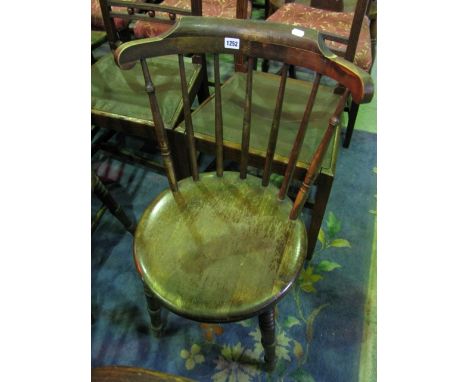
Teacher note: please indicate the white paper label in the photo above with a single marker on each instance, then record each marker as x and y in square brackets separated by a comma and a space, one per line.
[297, 32]
[231, 43]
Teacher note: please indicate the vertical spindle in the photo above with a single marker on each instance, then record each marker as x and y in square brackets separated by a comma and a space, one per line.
[317, 158]
[161, 135]
[218, 118]
[190, 139]
[296, 149]
[275, 127]
[247, 118]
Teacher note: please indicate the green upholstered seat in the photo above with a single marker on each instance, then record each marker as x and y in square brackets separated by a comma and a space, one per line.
[219, 249]
[265, 90]
[97, 38]
[120, 94]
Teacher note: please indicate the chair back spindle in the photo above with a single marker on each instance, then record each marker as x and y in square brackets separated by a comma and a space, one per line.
[296, 149]
[188, 119]
[247, 119]
[316, 161]
[218, 118]
[275, 127]
[160, 131]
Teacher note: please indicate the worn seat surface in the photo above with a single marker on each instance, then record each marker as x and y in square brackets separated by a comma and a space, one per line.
[120, 94]
[265, 88]
[219, 249]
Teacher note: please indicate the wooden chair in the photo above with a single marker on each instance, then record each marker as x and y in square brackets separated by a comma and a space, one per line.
[348, 33]
[225, 246]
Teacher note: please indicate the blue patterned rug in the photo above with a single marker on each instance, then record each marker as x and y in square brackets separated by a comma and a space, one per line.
[321, 323]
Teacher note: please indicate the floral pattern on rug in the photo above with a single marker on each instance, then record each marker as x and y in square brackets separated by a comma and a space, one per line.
[319, 322]
[242, 361]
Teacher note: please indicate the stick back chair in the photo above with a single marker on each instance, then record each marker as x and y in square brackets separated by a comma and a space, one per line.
[348, 33]
[224, 246]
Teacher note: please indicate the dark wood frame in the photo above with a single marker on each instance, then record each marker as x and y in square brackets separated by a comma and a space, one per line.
[257, 40]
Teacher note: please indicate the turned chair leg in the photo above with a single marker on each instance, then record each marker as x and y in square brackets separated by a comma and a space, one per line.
[353, 111]
[324, 185]
[266, 321]
[106, 198]
[154, 310]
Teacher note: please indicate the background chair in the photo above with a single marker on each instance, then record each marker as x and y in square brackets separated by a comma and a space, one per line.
[117, 102]
[348, 33]
[127, 113]
[225, 246]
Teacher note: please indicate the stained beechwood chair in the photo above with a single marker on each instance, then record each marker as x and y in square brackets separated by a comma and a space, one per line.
[225, 246]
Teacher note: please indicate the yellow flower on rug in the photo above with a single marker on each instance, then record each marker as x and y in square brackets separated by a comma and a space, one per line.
[192, 357]
[236, 364]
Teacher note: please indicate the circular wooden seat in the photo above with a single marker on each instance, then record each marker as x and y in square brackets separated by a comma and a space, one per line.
[220, 249]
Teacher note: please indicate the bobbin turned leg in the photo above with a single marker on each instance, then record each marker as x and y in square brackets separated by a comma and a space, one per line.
[106, 198]
[154, 310]
[266, 321]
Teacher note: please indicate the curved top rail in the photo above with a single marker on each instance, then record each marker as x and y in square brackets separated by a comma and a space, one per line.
[303, 47]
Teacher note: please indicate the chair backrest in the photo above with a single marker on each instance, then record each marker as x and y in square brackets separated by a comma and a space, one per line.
[254, 39]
